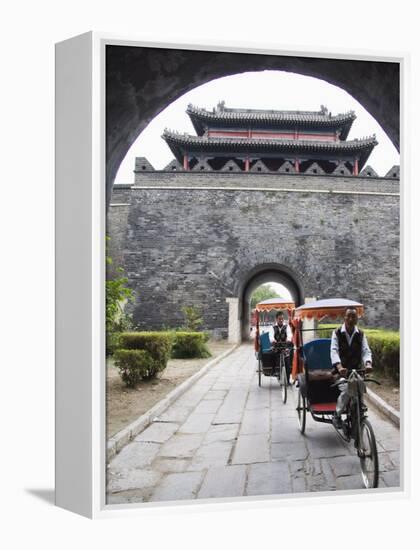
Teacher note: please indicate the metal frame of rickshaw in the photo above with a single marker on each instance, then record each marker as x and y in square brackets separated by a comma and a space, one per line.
[269, 305]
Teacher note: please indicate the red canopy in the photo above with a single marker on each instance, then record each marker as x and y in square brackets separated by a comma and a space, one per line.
[333, 307]
[275, 303]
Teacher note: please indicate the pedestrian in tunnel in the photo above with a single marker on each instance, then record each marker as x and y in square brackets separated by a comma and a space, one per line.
[281, 333]
[349, 350]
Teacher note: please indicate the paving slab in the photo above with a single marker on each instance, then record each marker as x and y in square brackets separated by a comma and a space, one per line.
[208, 406]
[171, 465]
[158, 432]
[224, 481]
[135, 455]
[289, 451]
[197, 423]
[271, 478]
[216, 453]
[391, 478]
[251, 448]
[181, 446]
[179, 486]
[132, 479]
[255, 421]
[221, 432]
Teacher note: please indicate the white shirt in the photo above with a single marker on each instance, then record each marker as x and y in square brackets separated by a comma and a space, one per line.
[288, 333]
[335, 356]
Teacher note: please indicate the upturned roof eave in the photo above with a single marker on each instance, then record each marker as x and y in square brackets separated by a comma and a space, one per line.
[200, 119]
[201, 143]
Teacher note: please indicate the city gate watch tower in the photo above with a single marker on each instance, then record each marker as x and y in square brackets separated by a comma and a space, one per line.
[255, 140]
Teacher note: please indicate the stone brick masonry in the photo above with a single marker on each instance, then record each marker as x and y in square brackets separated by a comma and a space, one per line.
[193, 239]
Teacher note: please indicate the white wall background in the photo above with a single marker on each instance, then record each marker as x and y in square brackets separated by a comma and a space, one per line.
[28, 33]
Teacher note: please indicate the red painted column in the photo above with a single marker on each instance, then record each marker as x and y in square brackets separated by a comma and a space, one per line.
[247, 164]
[356, 167]
[297, 165]
[186, 167]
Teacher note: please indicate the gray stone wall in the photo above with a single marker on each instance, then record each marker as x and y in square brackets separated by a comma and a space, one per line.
[325, 182]
[194, 241]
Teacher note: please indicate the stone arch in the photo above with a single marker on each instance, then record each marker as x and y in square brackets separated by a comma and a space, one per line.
[141, 82]
[245, 286]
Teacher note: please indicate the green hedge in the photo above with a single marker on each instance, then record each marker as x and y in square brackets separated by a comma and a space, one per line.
[385, 347]
[134, 365]
[190, 344]
[142, 355]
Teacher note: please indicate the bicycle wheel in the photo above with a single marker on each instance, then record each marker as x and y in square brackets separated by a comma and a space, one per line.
[283, 383]
[301, 409]
[368, 455]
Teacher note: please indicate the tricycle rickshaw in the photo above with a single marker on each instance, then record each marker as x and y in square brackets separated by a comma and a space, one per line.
[318, 388]
[271, 358]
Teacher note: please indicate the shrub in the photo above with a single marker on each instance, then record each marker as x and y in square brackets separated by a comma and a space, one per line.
[134, 365]
[158, 346]
[190, 344]
[385, 347]
[193, 320]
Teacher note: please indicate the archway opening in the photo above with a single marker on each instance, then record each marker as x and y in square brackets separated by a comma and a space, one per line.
[266, 318]
[262, 281]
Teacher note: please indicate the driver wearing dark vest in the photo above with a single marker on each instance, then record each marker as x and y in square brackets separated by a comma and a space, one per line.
[349, 351]
[281, 333]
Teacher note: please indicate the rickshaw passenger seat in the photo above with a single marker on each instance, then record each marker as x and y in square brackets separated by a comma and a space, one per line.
[265, 344]
[317, 354]
[318, 368]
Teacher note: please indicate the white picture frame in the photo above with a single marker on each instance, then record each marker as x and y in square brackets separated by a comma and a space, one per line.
[80, 266]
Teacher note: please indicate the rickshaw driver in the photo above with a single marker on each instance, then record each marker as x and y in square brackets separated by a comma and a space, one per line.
[349, 350]
[281, 332]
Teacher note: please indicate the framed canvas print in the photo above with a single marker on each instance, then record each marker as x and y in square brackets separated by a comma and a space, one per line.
[228, 274]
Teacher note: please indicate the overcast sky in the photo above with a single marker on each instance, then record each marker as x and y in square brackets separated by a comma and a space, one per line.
[258, 90]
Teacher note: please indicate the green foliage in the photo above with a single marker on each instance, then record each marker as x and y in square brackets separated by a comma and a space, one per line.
[263, 292]
[157, 345]
[117, 294]
[384, 344]
[134, 365]
[385, 347]
[190, 344]
[193, 320]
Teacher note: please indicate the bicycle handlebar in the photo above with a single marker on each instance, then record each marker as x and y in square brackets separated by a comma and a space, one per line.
[343, 379]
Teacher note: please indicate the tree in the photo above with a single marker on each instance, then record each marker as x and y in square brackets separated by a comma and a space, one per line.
[193, 320]
[263, 292]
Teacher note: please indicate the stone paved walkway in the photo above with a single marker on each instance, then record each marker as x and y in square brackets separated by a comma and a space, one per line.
[227, 437]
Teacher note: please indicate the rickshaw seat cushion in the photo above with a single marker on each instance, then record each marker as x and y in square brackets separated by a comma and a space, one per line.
[323, 407]
[319, 375]
[265, 344]
[317, 354]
